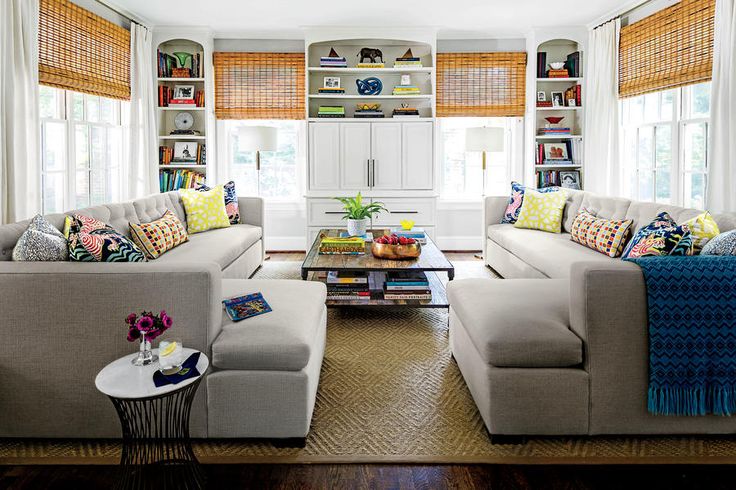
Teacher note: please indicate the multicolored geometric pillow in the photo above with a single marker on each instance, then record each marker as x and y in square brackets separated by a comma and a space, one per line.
[723, 244]
[513, 208]
[231, 201]
[660, 237]
[542, 211]
[159, 236]
[703, 228]
[41, 242]
[91, 240]
[205, 209]
[603, 235]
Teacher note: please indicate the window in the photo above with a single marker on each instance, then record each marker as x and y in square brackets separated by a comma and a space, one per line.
[81, 149]
[281, 172]
[461, 171]
[665, 138]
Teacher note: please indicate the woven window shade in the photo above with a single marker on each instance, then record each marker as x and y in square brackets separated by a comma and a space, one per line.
[481, 84]
[81, 51]
[259, 85]
[671, 48]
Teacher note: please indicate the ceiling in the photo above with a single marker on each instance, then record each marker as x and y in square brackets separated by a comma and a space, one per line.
[282, 19]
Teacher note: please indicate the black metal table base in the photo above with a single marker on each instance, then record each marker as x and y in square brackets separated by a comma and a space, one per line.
[157, 450]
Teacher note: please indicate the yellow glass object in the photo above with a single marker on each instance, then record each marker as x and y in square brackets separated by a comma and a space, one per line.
[407, 224]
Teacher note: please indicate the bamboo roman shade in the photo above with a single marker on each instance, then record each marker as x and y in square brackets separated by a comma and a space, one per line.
[671, 48]
[481, 84]
[81, 51]
[259, 85]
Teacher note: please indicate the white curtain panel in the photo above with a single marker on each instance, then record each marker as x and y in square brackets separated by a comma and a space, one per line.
[142, 154]
[721, 193]
[20, 163]
[602, 168]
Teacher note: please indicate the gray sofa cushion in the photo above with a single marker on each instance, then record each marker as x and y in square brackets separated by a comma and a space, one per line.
[605, 207]
[223, 246]
[550, 253]
[644, 212]
[517, 322]
[281, 340]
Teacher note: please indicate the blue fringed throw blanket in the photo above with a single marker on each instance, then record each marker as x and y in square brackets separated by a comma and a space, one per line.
[692, 334]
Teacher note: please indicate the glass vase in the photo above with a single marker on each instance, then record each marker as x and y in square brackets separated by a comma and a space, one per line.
[145, 354]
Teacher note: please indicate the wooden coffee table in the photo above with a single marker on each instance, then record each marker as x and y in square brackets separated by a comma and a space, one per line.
[431, 261]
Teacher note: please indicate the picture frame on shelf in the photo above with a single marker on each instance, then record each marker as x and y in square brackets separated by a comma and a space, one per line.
[183, 92]
[541, 96]
[571, 103]
[555, 151]
[331, 82]
[185, 152]
[558, 99]
[570, 179]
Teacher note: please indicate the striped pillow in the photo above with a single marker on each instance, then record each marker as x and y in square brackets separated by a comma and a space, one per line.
[602, 235]
[159, 236]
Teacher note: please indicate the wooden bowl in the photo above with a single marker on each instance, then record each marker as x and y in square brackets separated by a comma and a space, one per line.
[396, 252]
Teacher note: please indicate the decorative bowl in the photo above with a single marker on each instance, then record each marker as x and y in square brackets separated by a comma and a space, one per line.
[554, 119]
[363, 106]
[557, 65]
[396, 252]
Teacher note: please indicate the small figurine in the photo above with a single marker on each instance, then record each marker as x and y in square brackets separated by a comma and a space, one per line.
[371, 54]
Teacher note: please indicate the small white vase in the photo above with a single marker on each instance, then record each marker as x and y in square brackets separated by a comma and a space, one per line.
[357, 227]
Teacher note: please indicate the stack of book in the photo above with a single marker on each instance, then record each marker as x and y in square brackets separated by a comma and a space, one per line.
[342, 246]
[333, 61]
[368, 113]
[407, 112]
[347, 286]
[331, 90]
[554, 131]
[370, 65]
[171, 180]
[406, 285]
[406, 90]
[168, 63]
[408, 61]
[417, 234]
[331, 111]
[561, 73]
[544, 103]
[573, 64]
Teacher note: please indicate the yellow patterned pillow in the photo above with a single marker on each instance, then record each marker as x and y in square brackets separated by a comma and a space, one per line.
[702, 228]
[159, 236]
[542, 211]
[205, 210]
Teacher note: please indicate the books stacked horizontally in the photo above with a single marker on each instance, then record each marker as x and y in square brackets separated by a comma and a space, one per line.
[331, 90]
[406, 112]
[368, 113]
[561, 73]
[342, 246]
[333, 61]
[408, 60]
[406, 90]
[406, 285]
[544, 103]
[347, 286]
[370, 65]
[331, 111]
[417, 234]
[553, 131]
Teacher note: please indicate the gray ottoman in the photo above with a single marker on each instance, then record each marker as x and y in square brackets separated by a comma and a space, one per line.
[520, 360]
[265, 369]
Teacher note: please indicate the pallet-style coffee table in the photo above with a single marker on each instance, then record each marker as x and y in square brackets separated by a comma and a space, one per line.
[431, 261]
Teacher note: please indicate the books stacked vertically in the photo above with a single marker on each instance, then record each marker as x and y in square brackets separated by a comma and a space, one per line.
[331, 90]
[541, 64]
[332, 60]
[417, 234]
[406, 90]
[347, 286]
[408, 60]
[406, 285]
[406, 112]
[370, 65]
[167, 64]
[342, 246]
[561, 73]
[165, 154]
[331, 111]
[573, 64]
[574, 93]
[553, 131]
[548, 178]
[171, 180]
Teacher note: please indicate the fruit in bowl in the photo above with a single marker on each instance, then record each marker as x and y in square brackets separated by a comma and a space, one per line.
[394, 247]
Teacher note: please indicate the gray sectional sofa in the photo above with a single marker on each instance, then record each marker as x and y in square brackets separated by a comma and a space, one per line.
[561, 345]
[61, 322]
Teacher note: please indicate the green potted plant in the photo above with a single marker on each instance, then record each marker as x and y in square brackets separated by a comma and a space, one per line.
[359, 214]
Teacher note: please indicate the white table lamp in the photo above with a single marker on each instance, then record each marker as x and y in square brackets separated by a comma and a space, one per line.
[258, 139]
[484, 139]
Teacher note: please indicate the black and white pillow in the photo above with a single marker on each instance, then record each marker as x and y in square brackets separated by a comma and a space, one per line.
[41, 242]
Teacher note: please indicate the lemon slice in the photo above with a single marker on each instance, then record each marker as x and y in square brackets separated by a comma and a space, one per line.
[168, 350]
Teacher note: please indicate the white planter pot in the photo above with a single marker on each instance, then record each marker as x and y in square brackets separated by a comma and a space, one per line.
[357, 227]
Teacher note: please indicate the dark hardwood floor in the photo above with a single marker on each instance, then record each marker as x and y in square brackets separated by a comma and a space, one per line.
[493, 477]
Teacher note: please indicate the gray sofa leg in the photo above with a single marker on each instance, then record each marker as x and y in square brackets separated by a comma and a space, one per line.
[298, 442]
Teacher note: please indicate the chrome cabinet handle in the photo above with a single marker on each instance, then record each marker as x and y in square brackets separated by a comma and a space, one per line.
[334, 212]
[368, 166]
[373, 173]
[404, 212]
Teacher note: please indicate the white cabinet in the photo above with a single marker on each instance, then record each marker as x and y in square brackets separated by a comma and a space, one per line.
[355, 155]
[416, 155]
[324, 156]
[386, 156]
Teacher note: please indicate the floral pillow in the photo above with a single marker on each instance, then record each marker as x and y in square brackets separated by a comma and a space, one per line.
[91, 240]
[231, 201]
[513, 208]
[663, 236]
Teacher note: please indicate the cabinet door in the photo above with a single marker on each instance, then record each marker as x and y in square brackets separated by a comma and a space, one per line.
[417, 149]
[386, 156]
[324, 156]
[355, 151]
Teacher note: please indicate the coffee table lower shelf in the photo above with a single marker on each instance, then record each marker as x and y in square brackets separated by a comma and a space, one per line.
[439, 297]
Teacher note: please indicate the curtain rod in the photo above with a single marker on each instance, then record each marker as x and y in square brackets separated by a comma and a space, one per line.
[626, 12]
[129, 17]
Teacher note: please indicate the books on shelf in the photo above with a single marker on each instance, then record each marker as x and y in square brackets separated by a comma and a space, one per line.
[406, 90]
[544, 103]
[165, 154]
[347, 285]
[333, 62]
[407, 285]
[407, 112]
[168, 63]
[171, 180]
[573, 64]
[572, 155]
[331, 90]
[555, 131]
[370, 65]
[367, 113]
[166, 99]
[331, 111]
[408, 60]
[342, 246]
[541, 64]
[347, 277]
[561, 73]
[574, 93]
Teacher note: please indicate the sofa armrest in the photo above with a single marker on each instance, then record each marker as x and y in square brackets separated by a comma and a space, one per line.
[493, 210]
[252, 211]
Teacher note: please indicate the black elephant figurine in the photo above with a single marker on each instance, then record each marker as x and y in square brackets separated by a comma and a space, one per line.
[371, 54]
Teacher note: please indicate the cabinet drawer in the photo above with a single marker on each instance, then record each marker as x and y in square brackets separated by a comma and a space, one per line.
[324, 212]
[421, 211]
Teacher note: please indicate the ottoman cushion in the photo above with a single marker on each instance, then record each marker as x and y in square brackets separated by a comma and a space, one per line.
[517, 322]
[281, 340]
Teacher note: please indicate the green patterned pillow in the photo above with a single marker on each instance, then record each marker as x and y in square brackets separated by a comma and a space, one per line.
[542, 211]
[205, 210]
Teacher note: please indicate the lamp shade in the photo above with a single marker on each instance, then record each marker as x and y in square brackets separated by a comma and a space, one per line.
[484, 139]
[257, 138]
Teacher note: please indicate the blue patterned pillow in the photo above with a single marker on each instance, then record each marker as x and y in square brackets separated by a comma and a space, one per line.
[513, 208]
[91, 240]
[231, 201]
[660, 237]
[723, 244]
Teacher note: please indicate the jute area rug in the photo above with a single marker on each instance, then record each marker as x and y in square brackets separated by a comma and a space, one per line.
[390, 392]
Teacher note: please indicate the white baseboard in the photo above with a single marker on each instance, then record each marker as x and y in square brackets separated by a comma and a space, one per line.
[290, 243]
[459, 242]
